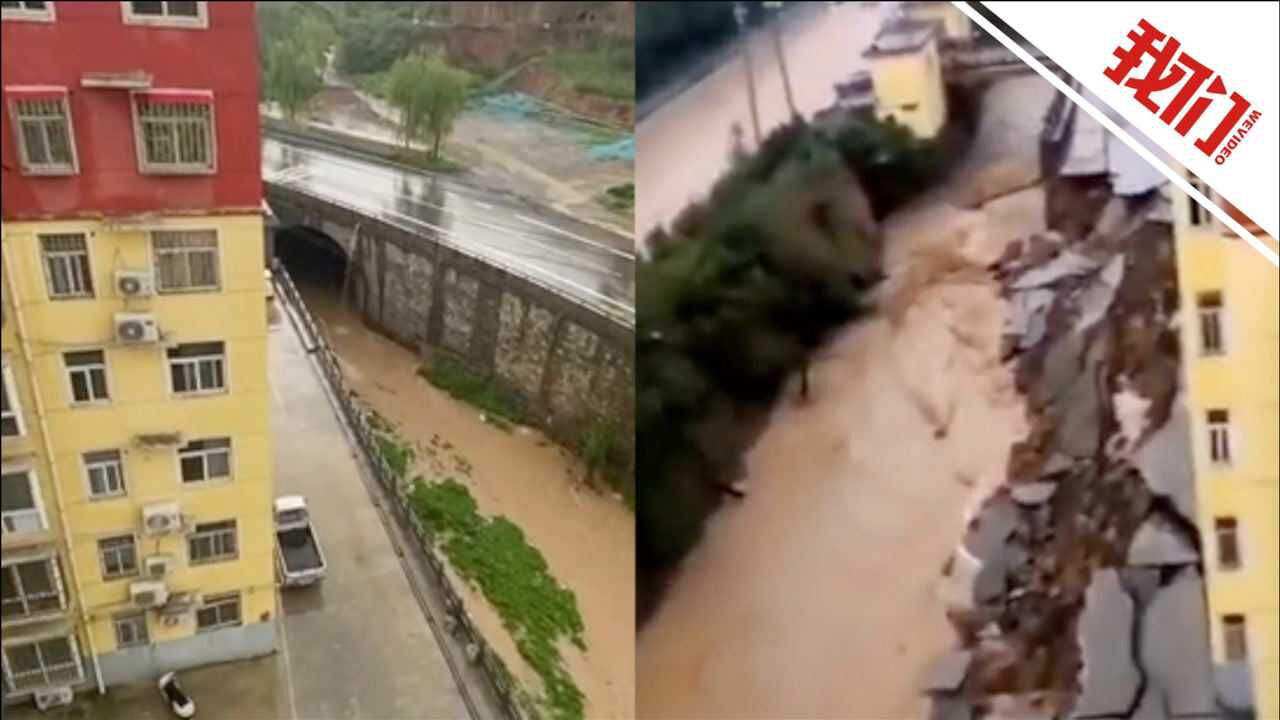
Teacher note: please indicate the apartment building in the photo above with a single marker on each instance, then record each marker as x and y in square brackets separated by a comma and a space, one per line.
[1230, 335]
[137, 470]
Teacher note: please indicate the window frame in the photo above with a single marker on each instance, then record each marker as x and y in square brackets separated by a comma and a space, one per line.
[1226, 622]
[89, 466]
[19, 140]
[156, 253]
[137, 620]
[36, 501]
[200, 22]
[213, 536]
[195, 361]
[1237, 540]
[70, 370]
[48, 276]
[1219, 314]
[1228, 435]
[48, 14]
[203, 454]
[55, 575]
[146, 167]
[102, 557]
[216, 603]
[9, 388]
[72, 646]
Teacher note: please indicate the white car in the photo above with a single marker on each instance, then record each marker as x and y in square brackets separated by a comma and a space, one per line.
[178, 701]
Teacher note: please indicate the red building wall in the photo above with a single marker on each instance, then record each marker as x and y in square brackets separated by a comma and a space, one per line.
[93, 37]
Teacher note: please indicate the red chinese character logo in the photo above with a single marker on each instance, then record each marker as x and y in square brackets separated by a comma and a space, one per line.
[1167, 72]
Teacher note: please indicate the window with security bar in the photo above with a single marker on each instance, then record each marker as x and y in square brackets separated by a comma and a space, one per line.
[186, 260]
[66, 266]
[43, 663]
[43, 127]
[175, 137]
[30, 588]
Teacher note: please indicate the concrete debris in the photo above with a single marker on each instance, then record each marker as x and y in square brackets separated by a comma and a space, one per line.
[1030, 706]
[947, 672]
[1057, 463]
[1028, 317]
[1065, 265]
[1061, 367]
[950, 708]
[1165, 461]
[1109, 681]
[1097, 297]
[1077, 430]
[995, 523]
[1131, 414]
[1159, 543]
[1035, 493]
[1234, 684]
[1141, 583]
[1175, 647]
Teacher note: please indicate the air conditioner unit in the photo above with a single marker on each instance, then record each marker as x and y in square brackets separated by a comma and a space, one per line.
[162, 519]
[135, 283]
[158, 566]
[50, 698]
[148, 594]
[136, 329]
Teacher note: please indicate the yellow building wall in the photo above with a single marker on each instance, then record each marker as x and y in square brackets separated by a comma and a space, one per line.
[908, 87]
[1245, 382]
[141, 403]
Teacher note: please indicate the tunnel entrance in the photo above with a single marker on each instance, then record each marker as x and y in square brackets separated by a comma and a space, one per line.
[315, 261]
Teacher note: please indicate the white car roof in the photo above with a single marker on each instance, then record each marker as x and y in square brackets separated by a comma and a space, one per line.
[290, 502]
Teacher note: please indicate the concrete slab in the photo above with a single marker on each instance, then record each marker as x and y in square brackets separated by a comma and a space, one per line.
[1096, 298]
[995, 523]
[946, 672]
[1067, 264]
[1108, 679]
[1175, 647]
[950, 708]
[1035, 493]
[1165, 460]
[1028, 316]
[1159, 543]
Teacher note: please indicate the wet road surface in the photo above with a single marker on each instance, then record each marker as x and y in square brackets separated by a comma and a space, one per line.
[684, 145]
[576, 259]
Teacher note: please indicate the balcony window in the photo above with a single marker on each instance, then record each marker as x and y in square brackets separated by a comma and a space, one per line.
[20, 510]
[10, 412]
[186, 261]
[169, 14]
[43, 663]
[175, 132]
[30, 588]
[42, 123]
[66, 266]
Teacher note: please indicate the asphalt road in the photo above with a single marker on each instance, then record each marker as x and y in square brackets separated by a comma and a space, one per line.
[578, 259]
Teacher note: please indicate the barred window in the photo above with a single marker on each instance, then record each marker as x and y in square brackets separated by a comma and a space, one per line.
[42, 663]
[30, 588]
[175, 136]
[186, 260]
[213, 542]
[66, 265]
[44, 132]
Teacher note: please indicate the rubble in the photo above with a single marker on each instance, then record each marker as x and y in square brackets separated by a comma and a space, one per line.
[1175, 648]
[1165, 461]
[1066, 264]
[1158, 542]
[1035, 493]
[947, 672]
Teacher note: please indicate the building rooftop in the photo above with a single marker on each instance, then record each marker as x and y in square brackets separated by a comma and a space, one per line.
[902, 35]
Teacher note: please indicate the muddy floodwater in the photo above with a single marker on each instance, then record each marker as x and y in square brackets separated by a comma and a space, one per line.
[587, 538]
[821, 594]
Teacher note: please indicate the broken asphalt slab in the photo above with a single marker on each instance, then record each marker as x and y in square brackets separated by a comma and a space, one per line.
[1109, 681]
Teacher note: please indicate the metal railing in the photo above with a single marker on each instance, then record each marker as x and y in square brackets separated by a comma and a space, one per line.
[459, 624]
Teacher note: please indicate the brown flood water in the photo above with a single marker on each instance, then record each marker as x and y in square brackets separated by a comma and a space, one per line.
[820, 595]
[588, 539]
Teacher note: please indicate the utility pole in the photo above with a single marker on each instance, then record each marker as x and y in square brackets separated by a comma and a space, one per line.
[740, 14]
[776, 31]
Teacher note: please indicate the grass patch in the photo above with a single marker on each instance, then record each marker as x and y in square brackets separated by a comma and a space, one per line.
[607, 69]
[620, 198]
[398, 454]
[493, 554]
[460, 382]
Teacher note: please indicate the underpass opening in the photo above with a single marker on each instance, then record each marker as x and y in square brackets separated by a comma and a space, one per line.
[316, 262]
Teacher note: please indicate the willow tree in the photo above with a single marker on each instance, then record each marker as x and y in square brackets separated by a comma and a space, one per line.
[429, 95]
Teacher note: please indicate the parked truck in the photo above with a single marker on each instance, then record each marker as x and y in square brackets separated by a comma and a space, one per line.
[299, 559]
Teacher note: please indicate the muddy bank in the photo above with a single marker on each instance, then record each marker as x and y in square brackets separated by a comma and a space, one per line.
[587, 538]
